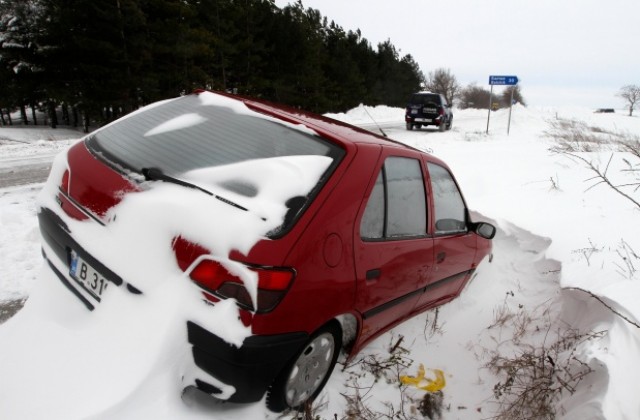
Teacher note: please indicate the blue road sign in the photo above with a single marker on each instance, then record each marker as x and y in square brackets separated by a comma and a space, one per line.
[503, 80]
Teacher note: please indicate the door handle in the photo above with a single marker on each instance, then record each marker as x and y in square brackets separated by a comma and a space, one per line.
[441, 257]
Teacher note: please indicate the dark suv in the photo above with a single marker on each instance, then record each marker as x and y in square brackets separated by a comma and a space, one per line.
[427, 108]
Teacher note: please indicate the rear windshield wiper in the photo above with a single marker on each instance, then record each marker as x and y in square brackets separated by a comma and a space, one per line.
[156, 174]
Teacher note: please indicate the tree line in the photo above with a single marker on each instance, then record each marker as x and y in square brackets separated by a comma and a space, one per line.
[96, 60]
[474, 96]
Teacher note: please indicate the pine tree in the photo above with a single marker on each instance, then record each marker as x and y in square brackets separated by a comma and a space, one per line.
[91, 55]
[19, 71]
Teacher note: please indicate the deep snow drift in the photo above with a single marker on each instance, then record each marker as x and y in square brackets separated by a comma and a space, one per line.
[554, 233]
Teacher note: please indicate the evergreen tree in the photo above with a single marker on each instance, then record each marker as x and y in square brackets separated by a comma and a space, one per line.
[179, 50]
[345, 82]
[396, 78]
[299, 58]
[91, 55]
[19, 72]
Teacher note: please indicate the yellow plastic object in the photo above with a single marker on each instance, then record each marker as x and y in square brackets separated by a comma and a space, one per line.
[426, 384]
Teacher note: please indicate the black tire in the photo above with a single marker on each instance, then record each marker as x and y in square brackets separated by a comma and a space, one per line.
[316, 359]
[409, 126]
[450, 123]
[442, 126]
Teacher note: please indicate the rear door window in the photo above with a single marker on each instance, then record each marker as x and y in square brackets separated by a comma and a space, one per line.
[397, 204]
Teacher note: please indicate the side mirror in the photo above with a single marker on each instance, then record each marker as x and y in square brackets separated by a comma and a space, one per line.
[485, 230]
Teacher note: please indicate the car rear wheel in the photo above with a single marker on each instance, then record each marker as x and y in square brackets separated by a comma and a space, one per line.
[303, 378]
[409, 126]
[442, 126]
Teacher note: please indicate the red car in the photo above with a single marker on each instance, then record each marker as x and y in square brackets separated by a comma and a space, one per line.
[331, 235]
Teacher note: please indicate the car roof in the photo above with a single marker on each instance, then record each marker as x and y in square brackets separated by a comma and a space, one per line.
[335, 130]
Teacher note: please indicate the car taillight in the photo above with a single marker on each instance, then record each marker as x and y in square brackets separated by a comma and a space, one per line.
[218, 283]
[64, 184]
[441, 111]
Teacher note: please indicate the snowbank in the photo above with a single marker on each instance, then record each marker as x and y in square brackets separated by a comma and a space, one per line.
[556, 230]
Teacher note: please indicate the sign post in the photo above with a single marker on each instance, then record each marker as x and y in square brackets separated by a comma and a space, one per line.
[503, 81]
[490, 105]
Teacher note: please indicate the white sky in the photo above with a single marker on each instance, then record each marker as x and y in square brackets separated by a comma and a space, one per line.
[565, 52]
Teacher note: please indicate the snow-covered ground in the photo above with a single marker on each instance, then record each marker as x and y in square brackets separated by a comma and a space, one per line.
[556, 235]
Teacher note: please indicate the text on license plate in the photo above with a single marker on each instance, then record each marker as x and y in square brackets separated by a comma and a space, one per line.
[88, 277]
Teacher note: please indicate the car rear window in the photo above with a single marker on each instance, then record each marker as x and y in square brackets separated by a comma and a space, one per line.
[189, 133]
[422, 99]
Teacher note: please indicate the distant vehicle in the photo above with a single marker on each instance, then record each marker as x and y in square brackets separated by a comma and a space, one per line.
[379, 233]
[605, 111]
[428, 108]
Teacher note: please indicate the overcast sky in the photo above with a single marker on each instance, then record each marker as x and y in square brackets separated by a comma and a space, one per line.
[564, 52]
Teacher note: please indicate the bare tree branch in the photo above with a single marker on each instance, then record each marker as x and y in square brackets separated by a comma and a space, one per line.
[599, 299]
[603, 177]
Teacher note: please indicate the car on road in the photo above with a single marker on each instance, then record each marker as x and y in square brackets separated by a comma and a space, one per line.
[428, 108]
[318, 236]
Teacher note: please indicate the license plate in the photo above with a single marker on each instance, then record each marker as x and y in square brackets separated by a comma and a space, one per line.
[423, 120]
[88, 277]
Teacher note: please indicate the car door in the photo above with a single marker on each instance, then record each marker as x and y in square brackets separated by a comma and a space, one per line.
[394, 253]
[454, 245]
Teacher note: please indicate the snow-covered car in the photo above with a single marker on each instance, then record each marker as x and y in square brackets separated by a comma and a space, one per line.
[428, 108]
[285, 237]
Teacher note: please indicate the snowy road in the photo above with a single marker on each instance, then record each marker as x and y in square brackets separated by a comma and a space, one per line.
[24, 173]
[27, 152]
[393, 127]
